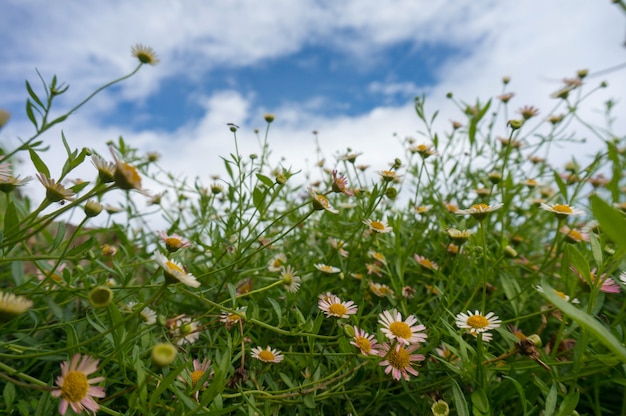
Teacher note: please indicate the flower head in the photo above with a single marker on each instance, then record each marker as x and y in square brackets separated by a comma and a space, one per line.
[126, 176]
[186, 331]
[458, 236]
[289, 279]
[476, 323]
[320, 202]
[9, 183]
[145, 54]
[163, 354]
[425, 263]
[174, 272]
[607, 285]
[562, 211]
[75, 389]
[277, 262]
[399, 360]
[333, 306]
[423, 150]
[148, 315]
[405, 332]
[350, 156]
[479, 211]
[365, 342]
[12, 305]
[325, 268]
[380, 290]
[229, 319]
[173, 242]
[267, 355]
[106, 170]
[388, 175]
[378, 226]
[55, 192]
[340, 184]
[574, 236]
[191, 378]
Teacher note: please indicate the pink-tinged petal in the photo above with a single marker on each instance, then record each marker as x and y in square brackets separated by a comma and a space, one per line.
[56, 393]
[96, 391]
[88, 365]
[63, 407]
[90, 404]
[95, 380]
[73, 362]
[76, 407]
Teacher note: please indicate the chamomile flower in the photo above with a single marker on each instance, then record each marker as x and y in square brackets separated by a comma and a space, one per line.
[607, 284]
[174, 272]
[479, 211]
[622, 278]
[267, 355]
[475, 322]
[325, 268]
[145, 54]
[365, 342]
[148, 315]
[425, 263]
[388, 175]
[229, 319]
[186, 331]
[289, 279]
[126, 176]
[106, 170]
[55, 192]
[277, 262]
[333, 306]
[173, 242]
[320, 202]
[378, 226]
[12, 305]
[339, 245]
[562, 211]
[191, 378]
[560, 294]
[9, 183]
[405, 332]
[75, 389]
[573, 236]
[423, 150]
[380, 290]
[458, 236]
[399, 360]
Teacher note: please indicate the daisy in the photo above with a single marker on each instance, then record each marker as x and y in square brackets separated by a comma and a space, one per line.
[622, 278]
[559, 293]
[443, 352]
[378, 226]
[163, 354]
[320, 202]
[173, 242]
[350, 156]
[232, 318]
[12, 305]
[173, 271]
[408, 292]
[607, 285]
[425, 263]
[8, 184]
[505, 97]
[422, 209]
[333, 306]
[145, 54]
[476, 323]
[388, 175]
[148, 315]
[380, 290]
[5, 171]
[528, 112]
[479, 211]
[453, 208]
[340, 184]
[289, 279]
[380, 257]
[458, 236]
[75, 388]
[325, 268]
[373, 268]
[573, 236]
[339, 245]
[267, 355]
[562, 211]
[106, 170]
[365, 342]
[126, 176]
[405, 332]
[277, 262]
[423, 150]
[191, 378]
[186, 331]
[55, 192]
[399, 360]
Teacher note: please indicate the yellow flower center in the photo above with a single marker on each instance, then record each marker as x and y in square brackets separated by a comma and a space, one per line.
[399, 358]
[267, 355]
[75, 386]
[172, 267]
[364, 344]
[323, 201]
[196, 376]
[126, 176]
[564, 209]
[480, 207]
[400, 330]
[426, 263]
[575, 235]
[562, 295]
[186, 329]
[233, 318]
[337, 309]
[477, 321]
[173, 243]
[287, 279]
[377, 225]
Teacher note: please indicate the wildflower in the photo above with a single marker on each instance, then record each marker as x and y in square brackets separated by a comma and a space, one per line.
[365, 342]
[388, 175]
[350, 156]
[495, 178]
[425, 263]
[74, 388]
[606, 284]
[440, 408]
[505, 98]
[528, 112]
[110, 209]
[325, 268]
[622, 278]
[267, 355]
[573, 236]
[320, 202]
[373, 268]
[55, 192]
[126, 176]
[244, 286]
[289, 279]
[458, 236]
[479, 211]
[422, 209]
[362, 168]
[339, 245]
[333, 306]
[399, 360]
[560, 294]
[340, 184]
[12, 305]
[562, 211]
[4, 117]
[145, 54]
[377, 226]
[476, 323]
[380, 290]
[173, 271]
[173, 242]
[556, 119]
[456, 124]
[217, 188]
[358, 276]
[452, 249]
[108, 250]
[423, 150]
[445, 353]
[325, 296]
[9, 183]
[191, 378]
[106, 170]
[229, 319]
[380, 257]
[277, 262]
[268, 117]
[506, 142]
[100, 296]
[163, 354]
[451, 207]
[405, 332]
[148, 315]
[186, 331]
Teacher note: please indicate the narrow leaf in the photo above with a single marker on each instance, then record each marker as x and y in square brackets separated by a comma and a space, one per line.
[39, 164]
[611, 221]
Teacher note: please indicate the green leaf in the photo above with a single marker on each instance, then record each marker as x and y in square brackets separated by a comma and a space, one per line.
[277, 309]
[586, 321]
[309, 401]
[551, 401]
[612, 223]
[596, 249]
[60, 236]
[561, 185]
[569, 404]
[520, 391]
[266, 180]
[258, 198]
[459, 400]
[480, 401]
[39, 164]
[11, 220]
[32, 94]
[9, 394]
[31, 114]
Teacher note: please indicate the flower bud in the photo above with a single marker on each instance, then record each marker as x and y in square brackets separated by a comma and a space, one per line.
[100, 296]
[93, 208]
[163, 354]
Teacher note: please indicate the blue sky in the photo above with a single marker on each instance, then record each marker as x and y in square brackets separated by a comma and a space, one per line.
[349, 69]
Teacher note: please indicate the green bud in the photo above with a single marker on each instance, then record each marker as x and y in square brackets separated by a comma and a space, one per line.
[100, 296]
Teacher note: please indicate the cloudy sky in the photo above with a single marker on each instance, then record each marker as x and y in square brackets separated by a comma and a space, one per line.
[348, 69]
